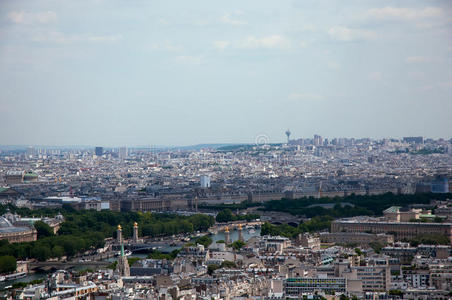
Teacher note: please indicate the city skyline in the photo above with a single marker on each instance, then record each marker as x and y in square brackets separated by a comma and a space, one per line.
[187, 73]
[255, 142]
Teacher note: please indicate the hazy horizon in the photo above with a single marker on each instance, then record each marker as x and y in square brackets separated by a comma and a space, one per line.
[107, 73]
[113, 146]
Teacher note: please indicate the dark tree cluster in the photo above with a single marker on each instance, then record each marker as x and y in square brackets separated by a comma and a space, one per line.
[86, 230]
[226, 215]
[350, 206]
[315, 224]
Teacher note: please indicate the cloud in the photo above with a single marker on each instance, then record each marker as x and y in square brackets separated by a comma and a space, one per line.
[227, 19]
[420, 59]
[401, 13]
[346, 34]
[308, 28]
[267, 42]
[375, 76]
[187, 59]
[333, 65]
[60, 38]
[165, 46]
[221, 45]
[304, 96]
[20, 17]
[438, 85]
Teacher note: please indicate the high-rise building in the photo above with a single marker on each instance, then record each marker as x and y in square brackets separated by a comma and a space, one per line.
[318, 141]
[414, 139]
[440, 185]
[99, 151]
[30, 151]
[288, 135]
[205, 181]
[123, 153]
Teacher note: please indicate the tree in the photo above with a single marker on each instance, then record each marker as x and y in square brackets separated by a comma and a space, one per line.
[41, 252]
[237, 245]
[43, 229]
[204, 240]
[228, 264]
[57, 251]
[224, 216]
[7, 264]
[376, 246]
[211, 268]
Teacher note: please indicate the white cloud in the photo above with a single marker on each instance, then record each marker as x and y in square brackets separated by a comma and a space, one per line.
[165, 46]
[253, 42]
[268, 42]
[308, 28]
[304, 96]
[221, 45]
[60, 38]
[333, 65]
[435, 86]
[375, 76]
[445, 84]
[403, 13]
[420, 59]
[227, 19]
[20, 17]
[346, 34]
[187, 59]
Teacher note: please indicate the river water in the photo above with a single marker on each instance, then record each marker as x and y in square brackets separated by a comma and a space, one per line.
[233, 236]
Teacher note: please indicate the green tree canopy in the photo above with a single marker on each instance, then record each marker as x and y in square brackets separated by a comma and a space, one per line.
[43, 229]
[7, 264]
[224, 216]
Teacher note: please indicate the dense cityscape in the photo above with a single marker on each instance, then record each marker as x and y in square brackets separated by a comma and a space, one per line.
[310, 218]
[225, 150]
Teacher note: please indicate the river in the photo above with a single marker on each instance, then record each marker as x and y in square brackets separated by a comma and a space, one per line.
[233, 236]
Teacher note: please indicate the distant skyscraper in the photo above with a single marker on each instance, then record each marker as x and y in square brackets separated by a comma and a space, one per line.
[123, 153]
[30, 151]
[99, 151]
[414, 139]
[205, 181]
[318, 141]
[288, 135]
[440, 185]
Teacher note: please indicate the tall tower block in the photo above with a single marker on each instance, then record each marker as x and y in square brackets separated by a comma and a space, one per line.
[288, 135]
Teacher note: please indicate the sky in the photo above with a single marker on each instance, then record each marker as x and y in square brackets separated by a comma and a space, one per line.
[148, 72]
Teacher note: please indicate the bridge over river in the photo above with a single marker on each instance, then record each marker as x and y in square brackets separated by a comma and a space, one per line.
[63, 265]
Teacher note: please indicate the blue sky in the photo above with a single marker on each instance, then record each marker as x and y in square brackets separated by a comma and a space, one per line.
[185, 72]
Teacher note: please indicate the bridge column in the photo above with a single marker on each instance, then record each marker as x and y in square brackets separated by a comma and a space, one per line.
[119, 235]
[226, 235]
[135, 232]
[240, 232]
